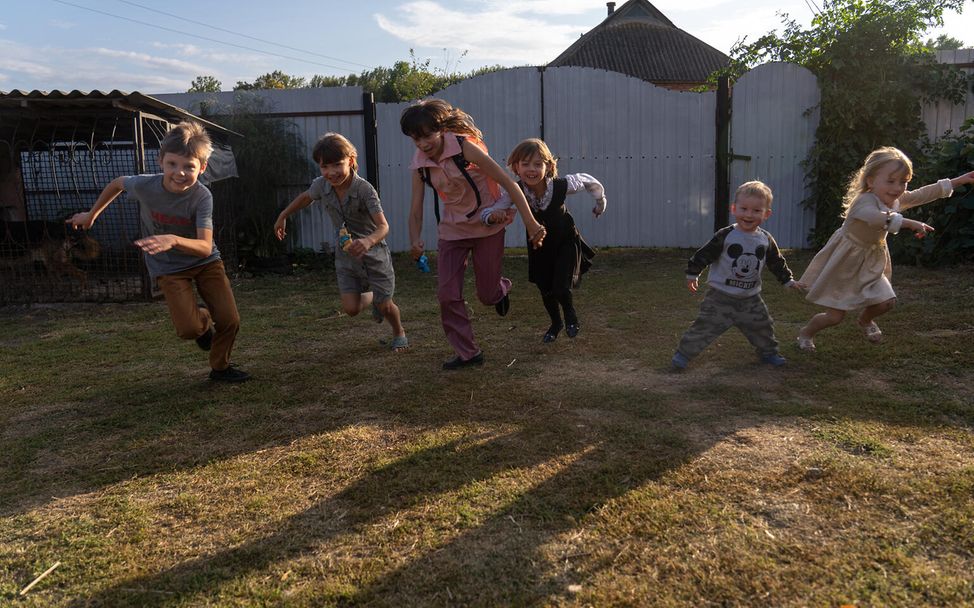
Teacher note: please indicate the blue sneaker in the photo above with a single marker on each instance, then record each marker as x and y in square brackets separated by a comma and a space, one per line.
[679, 363]
[774, 359]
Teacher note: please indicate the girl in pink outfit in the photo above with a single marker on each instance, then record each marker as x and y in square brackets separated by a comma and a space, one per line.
[452, 158]
[853, 270]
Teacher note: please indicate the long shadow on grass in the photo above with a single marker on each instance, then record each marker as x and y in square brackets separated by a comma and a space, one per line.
[630, 441]
[133, 426]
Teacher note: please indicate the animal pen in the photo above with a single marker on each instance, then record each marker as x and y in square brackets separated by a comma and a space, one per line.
[57, 152]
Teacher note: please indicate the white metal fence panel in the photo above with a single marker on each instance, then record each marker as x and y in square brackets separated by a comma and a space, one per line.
[943, 116]
[313, 112]
[773, 121]
[505, 105]
[652, 148]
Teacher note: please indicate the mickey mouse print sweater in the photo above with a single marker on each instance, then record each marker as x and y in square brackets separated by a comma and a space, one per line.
[736, 258]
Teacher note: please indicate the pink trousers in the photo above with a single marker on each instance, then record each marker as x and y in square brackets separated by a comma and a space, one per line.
[488, 254]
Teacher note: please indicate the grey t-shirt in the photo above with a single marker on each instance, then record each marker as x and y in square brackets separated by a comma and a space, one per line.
[361, 201]
[162, 212]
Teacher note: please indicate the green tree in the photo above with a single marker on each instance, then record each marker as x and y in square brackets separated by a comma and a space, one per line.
[944, 43]
[271, 157]
[272, 80]
[205, 84]
[874, 73]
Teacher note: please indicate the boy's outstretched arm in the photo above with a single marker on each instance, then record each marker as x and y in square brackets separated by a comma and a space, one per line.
[111, 191]
[300, 202]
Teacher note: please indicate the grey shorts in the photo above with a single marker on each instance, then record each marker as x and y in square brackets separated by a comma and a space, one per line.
[373, 273]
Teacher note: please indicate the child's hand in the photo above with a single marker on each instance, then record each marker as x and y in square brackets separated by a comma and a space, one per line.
[692, 284]
[796, 286]
[417, 248]
[81, 220]
[358, 247]
[157, 244]
[919, 228]
[537, 237]
[279, 228]
[599, 208]
[501, 216]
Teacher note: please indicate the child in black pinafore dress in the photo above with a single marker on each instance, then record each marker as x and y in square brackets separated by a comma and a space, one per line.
[564, 256]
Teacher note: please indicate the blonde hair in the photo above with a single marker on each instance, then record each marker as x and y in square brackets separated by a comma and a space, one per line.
[432, 115]
[332, 148]
[530, 148]
[187, 139]
[756, 189]
[876, 159]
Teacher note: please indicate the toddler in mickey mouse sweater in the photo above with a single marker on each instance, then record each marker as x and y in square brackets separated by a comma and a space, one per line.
[735, 255]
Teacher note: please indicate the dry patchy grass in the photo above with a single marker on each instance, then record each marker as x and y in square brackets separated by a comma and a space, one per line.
[573, 474]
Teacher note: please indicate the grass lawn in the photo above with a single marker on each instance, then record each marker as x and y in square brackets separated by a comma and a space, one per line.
[579, 473]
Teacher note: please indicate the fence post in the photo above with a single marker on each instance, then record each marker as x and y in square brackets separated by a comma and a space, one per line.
[721, 183]
[371, 140]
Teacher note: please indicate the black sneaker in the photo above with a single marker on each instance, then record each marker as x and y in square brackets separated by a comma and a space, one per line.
[230, 374]
[205, 341]
[572, 330]
[503, 306]
[552, 334]
[458, 363]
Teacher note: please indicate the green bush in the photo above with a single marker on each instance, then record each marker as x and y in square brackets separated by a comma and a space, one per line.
[953, 240]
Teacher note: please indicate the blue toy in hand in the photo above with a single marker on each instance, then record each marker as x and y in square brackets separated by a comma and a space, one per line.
[422, 263]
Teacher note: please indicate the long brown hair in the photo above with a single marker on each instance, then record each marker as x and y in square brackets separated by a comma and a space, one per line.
[432, 115]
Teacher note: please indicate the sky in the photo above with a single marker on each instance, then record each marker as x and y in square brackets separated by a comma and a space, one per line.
[160, 47]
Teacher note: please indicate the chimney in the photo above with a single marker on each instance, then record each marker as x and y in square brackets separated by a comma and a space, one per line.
[611, 6]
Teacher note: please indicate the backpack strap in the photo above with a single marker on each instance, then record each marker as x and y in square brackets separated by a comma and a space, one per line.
[424, 176]
[462, 164]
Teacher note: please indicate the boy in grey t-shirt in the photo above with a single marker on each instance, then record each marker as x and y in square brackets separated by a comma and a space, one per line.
[736, 255]
[176, 213]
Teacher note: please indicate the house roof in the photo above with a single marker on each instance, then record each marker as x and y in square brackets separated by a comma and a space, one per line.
[638, 40]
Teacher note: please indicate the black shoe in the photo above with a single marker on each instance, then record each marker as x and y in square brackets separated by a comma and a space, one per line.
[230, 374]
[205, 341]
[552, 334]
[503, 306]
[572, 330]
[458, 363]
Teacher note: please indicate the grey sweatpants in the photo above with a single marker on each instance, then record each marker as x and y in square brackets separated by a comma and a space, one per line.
[719, 312]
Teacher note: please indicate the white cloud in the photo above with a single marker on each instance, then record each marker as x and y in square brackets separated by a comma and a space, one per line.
[62, 25]
[496, 32]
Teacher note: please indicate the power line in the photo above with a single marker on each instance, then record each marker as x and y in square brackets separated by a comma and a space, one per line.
[169, 29]
[220, 29]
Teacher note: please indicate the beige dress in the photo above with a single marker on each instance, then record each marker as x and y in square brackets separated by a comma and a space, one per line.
[853, 270]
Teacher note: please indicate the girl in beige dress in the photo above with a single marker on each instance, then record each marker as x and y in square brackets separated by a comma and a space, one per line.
[853, 269]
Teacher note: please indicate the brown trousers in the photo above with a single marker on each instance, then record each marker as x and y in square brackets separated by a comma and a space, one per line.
[221, 308]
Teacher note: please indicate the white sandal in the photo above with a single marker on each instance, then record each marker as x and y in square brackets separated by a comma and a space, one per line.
[873, 333]
[805, 344]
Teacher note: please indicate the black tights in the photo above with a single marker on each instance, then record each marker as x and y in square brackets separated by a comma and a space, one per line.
[563, 299]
